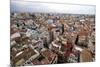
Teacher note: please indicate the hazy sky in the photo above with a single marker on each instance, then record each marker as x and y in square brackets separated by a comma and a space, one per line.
[23, 6]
